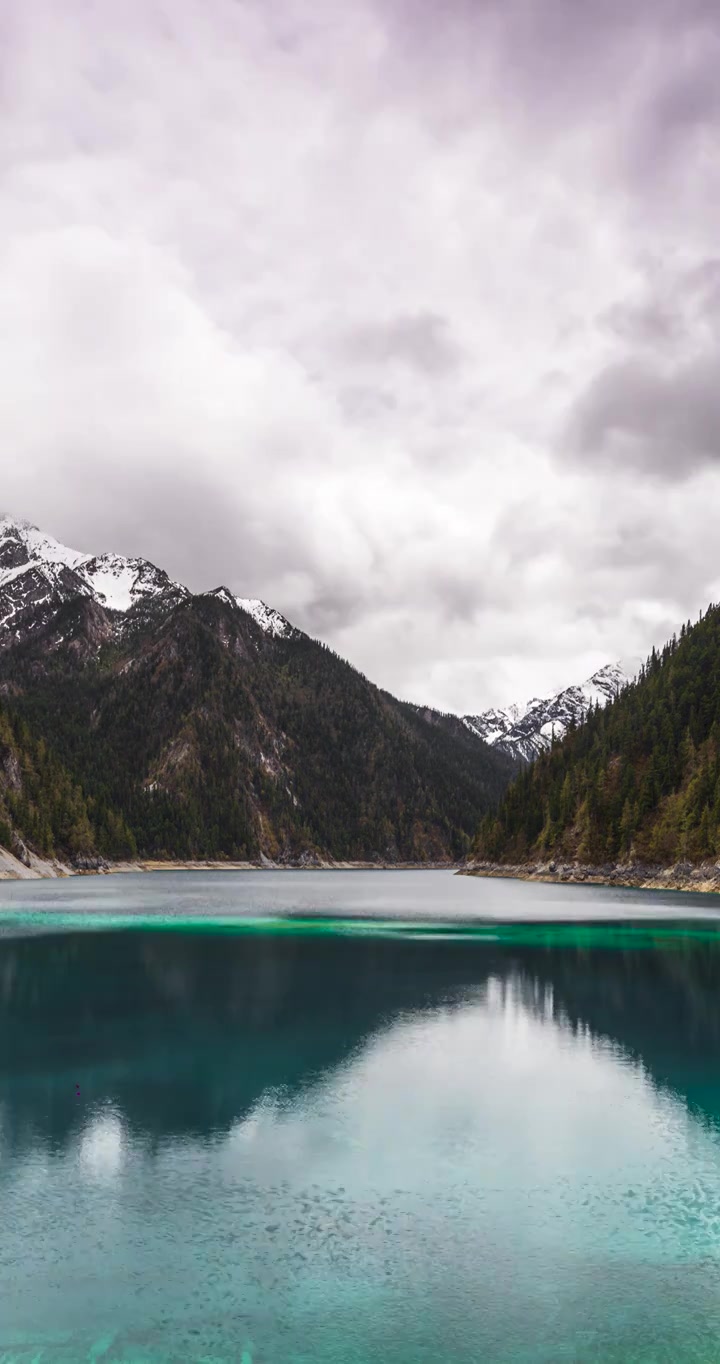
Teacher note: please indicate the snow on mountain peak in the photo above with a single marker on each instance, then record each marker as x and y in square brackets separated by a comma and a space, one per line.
[38, 574]
[269, 620]
[39, 546]
[525, 731]
[223, 594]
[37, 571]
[120, 582]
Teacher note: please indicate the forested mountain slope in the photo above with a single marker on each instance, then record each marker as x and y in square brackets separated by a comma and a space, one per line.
[639, 779]
[43, 808]
[215, 729]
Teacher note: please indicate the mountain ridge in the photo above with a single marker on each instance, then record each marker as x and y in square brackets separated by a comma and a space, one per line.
[215, 728]
[527, 731]
[119, 583]
[638, 783]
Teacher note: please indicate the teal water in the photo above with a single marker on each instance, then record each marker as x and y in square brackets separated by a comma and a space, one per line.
[358, 1118]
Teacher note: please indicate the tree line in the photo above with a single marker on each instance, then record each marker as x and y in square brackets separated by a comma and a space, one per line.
[639, 779]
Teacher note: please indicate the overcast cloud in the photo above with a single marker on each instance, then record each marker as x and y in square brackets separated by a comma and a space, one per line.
[403, 317]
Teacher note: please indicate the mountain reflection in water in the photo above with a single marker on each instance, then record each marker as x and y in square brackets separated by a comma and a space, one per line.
[183, 1032]
[318, 1146]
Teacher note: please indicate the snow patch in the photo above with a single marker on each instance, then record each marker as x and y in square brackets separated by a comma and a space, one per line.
[110, 579]
[40, 547]
[121, 582]
[222, 594]
[270, 621]
[114, 584]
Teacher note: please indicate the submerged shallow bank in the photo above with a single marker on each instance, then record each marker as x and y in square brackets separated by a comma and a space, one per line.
[704, 876]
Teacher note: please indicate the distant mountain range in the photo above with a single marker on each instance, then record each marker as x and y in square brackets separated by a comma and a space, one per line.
[525, 731]
[139, 717]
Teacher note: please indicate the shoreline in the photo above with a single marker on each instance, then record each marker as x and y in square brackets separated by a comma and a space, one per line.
[268, 865]
[687, 876]
[37, 868]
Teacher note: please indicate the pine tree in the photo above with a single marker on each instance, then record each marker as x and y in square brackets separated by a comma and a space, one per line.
[641, 776]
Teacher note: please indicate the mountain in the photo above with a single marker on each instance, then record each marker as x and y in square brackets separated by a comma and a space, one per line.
[639, 780]
[38, 575]
[212, 727]
[524, 732]
[43, 809]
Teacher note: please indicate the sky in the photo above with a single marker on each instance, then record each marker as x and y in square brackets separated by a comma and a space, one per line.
[402, 317]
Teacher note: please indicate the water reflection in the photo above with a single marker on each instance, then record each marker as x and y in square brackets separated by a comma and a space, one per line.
[184, 1033]
[336, 1149]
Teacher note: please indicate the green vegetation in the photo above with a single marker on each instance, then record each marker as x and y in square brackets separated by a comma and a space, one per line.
[638, 780]
[210, 739]
[41, 803]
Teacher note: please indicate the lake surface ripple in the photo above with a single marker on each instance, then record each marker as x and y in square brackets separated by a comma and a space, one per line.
[357, 1118]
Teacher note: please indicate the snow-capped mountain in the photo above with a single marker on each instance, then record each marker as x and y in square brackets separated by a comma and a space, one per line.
[38, 575]
[269, 620]
[524, 731]
[202, 724]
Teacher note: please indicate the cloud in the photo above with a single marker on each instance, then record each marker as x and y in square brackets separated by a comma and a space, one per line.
[422, 341]
[403, 325]
[652, 407]
[651, 323]
[660, 420]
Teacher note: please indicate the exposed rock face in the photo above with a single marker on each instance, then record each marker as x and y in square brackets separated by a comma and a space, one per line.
[90, 864]
[704, 876]
[19, 850]
[9, 768]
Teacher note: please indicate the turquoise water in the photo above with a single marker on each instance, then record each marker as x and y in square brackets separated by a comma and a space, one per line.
[358, 1118]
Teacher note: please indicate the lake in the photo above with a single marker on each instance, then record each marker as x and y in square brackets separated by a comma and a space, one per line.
[357, 1118]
